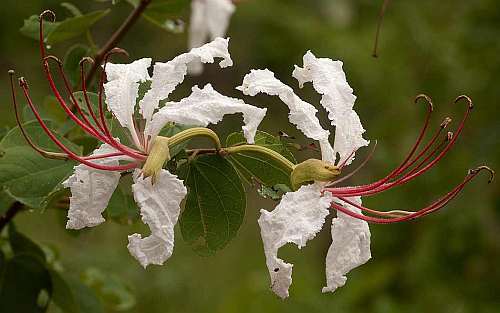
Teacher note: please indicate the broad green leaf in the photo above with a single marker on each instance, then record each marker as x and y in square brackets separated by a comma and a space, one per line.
[72, 62]
[71, 296]
[24, 279]
[22, 245]
[31, 27]
[112, 291]
[256, 166]
[161, 12]
[24, 174]
[122, 206]
[74, 26]
[215, 204]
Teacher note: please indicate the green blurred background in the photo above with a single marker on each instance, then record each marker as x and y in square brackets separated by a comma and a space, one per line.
[447, 262]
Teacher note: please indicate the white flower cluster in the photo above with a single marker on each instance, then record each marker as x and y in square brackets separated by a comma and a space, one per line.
[298, 217]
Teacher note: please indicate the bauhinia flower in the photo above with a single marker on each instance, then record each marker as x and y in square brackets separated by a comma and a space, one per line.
[209, 20]
[157, 192]
[301, 213]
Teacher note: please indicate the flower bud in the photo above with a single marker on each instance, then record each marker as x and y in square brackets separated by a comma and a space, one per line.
[158, 155]
[313, 170]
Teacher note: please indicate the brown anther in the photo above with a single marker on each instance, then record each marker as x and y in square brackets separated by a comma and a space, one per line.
[449, 136]
[467, 99]
[445, 122]
[53, 58]
[48, 14]
[116, 50]
[23, 82]
[427, 99]
[86, 59]
[484, 168]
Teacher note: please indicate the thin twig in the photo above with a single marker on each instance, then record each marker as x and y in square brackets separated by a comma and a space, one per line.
[379, 26]
[117, 36]
[9, 215]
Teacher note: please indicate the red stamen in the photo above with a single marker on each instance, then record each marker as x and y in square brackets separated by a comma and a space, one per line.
[357, 168]
[85, 94]
[408, 157]
[70, 153]
[422, 212]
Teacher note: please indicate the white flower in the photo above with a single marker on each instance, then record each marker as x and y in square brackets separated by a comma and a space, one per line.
[95, 180]
[209, 20]
[301, 214]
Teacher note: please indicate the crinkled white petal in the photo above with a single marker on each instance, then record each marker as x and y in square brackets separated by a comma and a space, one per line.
[338, 99]
[209, 20]
[298, 218]
[302, 114]
[122, 88]
[91, 190]
[350, 247]
[166, 76]
[160, 207]
[206, 106]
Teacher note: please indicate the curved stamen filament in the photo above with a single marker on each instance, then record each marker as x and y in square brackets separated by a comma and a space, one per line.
[430, 108]
[107, 138]
[42, 152]
[411, 215]
[70, 153]
[85, 94]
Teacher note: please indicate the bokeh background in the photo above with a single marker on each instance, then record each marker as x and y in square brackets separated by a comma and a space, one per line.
[447, 262]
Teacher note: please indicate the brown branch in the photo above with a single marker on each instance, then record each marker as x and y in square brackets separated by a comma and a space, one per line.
[116, 37]
[9, 215]
[379, 26]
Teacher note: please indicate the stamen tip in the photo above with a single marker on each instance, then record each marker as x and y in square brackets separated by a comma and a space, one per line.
[11, 72]
[449, 136]
[54, 58]
[485, 168]
[427, 99]
[445, 122]
[23, 82]
[86, 59]
[48, 13]
[467, 99]
[117, 50]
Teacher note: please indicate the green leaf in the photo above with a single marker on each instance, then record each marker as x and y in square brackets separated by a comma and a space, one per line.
[112, 291]
[72, 62]
[255, 166]
[24, 174]
[122, 207]
[22, 245]
[75, 26]
[71, 296]
[31, 27]
[161, 12]
[215, 204]
[23, 280]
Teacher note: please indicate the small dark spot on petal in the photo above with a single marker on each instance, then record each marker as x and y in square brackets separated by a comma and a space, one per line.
[276, 269]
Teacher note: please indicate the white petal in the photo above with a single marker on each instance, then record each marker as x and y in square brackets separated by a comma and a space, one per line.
[350, 247]
[122, 88]
[91, 190]
[160, 207]
[297, 219]
[207, 106]
[338, 99]
[209, 20]
[166, 76]
[301, 114]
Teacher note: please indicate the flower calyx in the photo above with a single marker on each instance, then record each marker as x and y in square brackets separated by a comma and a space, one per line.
[158, 155]
[313, 170]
